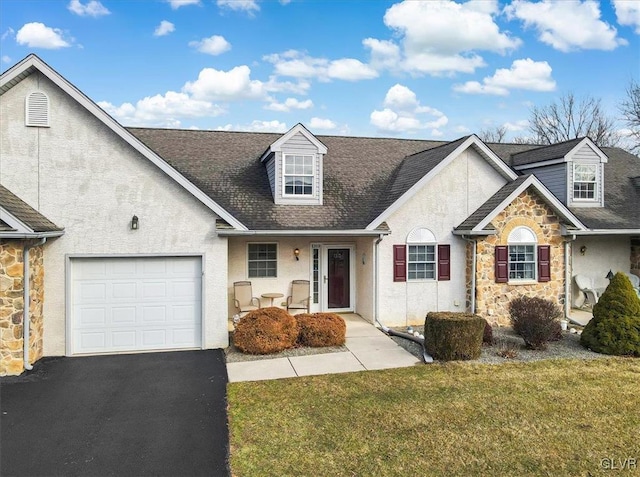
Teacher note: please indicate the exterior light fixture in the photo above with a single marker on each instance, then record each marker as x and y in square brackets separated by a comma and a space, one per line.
[609, 275]
[296, 253]
[134, 222]
[583, 250]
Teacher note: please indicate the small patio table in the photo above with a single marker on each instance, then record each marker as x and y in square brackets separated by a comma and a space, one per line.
[272, 296]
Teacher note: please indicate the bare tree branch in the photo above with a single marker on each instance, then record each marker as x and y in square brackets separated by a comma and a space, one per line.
[570, 118]
[496, 134]
[630, 109]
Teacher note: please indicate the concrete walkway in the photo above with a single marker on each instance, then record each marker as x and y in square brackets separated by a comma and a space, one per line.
[368, 349]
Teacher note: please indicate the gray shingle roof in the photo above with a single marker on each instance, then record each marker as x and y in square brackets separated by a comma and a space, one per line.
[362, 176]
[489, 206]
[25, 213]
[544, 153]
[358, 173]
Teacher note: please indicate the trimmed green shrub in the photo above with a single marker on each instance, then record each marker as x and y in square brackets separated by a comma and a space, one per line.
[487, 337]
[450, 336]
[266, 331]
[536, 320]
[615, 326]
[320, 329]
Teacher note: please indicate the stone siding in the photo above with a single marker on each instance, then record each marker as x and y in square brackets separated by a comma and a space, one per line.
[492, 298]
[635, 256]
[12, 305]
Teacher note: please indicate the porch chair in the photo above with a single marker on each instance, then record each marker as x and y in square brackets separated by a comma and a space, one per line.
[243, 298]
[300, 298]
[585, 284]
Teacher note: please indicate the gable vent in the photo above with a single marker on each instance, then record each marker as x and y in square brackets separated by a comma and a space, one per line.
[37, 110]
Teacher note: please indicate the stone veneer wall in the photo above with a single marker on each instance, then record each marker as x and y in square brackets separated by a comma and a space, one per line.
[635, 256]
[12, 305]
[492, 298]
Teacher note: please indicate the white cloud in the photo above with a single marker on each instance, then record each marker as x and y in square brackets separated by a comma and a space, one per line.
[319, 123]
[214, 45]
[524, 74]
[38, 35]
[232, 85]
[441, 37]
[257, 126]
[297, 64]
[567, 25]
[91, 9]
[290, 104]
[239, 5]
[162, 110]
[519, 125]
[628, 13]
[349, 69]
[10, 31]
[384, 54]
[175, 4]
[6, 59]
[164, 28]
[401, 113]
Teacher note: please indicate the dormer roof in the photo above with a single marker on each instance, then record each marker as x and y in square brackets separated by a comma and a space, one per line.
[277, 145]
[554, 153]
[18, 219]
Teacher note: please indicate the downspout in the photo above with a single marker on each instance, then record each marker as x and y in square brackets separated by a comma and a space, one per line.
[473, 274]
[567, 277]
[26, 320]
[425, 357]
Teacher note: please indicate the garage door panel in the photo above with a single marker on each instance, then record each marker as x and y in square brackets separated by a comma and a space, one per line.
[129, 304]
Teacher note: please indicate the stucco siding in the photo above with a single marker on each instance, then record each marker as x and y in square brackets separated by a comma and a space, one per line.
[442, 204]
[85, 178]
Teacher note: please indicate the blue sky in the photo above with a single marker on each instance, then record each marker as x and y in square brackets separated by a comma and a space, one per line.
[429, 70]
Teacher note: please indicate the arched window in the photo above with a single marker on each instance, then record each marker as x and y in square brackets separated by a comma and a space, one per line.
[522, 254]
[421, 260]
[37, 109]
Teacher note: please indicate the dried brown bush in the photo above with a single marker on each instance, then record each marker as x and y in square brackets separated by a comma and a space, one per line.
[320, 329]
[266, 331]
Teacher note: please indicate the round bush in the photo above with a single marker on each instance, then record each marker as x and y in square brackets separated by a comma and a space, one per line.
[266, 331]
[536, 320]
[615, 326]
[320, 329]
[450, 336]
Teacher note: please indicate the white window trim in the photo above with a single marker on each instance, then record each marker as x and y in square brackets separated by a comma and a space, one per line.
[513, 241]
[596, 191]
[312, 175]
[276, 260]
[435, 262]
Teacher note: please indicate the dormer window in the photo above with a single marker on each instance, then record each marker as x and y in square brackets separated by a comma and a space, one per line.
[585, 181]
[298, 175]
[293, 165]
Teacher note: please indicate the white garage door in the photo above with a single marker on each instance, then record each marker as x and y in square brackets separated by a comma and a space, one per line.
[133, 304]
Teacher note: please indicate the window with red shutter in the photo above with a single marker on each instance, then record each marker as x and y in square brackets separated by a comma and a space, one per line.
[399, 263]
[544, 263]
[502, 264]
[444, 262]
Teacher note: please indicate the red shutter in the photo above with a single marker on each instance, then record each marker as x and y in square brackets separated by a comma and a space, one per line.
[444, 262]
[399, 263]
[544, 263]
[502, 264]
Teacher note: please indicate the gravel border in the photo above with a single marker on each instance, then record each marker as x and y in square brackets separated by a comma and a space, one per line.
[568, 347]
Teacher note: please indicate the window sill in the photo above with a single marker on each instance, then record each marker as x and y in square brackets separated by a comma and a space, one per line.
[522, 282]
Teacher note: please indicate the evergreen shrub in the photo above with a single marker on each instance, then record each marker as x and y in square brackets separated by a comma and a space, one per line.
[453, 336]
[615, 326]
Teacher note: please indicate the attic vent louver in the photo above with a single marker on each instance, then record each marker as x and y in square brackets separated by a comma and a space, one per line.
[37, 110]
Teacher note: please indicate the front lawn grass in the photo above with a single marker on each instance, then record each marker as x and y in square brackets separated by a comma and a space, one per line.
[551, 418]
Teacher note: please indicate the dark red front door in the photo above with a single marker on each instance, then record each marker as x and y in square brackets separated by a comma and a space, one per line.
[338, 278]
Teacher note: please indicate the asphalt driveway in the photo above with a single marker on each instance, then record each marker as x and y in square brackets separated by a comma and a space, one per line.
[125, 415]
